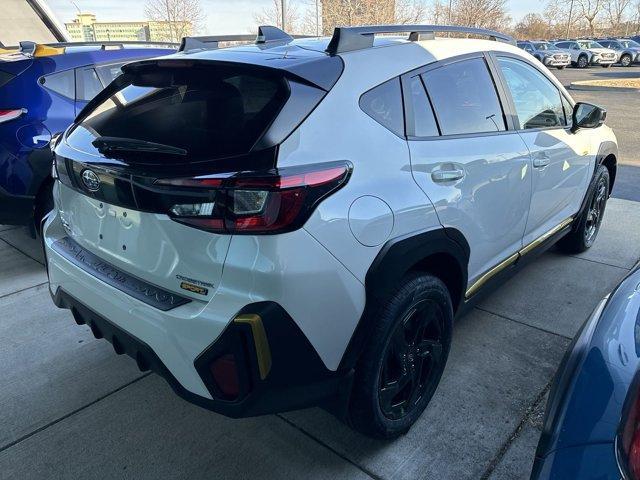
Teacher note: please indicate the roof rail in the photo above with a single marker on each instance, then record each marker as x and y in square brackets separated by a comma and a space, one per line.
[29, 47]
[346, 39]
[266, 34]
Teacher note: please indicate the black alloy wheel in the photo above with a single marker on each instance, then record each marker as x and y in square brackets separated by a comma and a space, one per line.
[413, 354]
[596, 212]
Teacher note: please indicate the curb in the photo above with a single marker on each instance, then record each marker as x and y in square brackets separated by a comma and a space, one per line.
[601, 88]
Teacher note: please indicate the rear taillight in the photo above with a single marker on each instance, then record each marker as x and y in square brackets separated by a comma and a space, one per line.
[628, 440]
[270, 202]
[6, 115]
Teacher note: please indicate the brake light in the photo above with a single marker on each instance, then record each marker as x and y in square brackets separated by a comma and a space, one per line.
[276, 201]
[6, 115]
[628, 440]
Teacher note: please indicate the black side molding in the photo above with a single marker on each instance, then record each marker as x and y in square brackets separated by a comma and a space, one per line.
[139, 289]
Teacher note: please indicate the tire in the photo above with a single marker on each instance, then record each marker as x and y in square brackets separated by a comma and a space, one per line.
[582, 237]
[402, 363]
[625, 60]
[583, 61]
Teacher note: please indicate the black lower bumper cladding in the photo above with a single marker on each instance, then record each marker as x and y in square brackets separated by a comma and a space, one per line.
[297, 379]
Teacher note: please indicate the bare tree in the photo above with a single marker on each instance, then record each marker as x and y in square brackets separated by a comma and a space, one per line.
[589, 11]
[272, 15]
[440, 12]
[410, 11]
[179, 18]
[532, 25]
[481, 13]
[616, 11]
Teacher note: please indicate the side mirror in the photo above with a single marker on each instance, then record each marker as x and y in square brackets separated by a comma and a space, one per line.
[586, 115]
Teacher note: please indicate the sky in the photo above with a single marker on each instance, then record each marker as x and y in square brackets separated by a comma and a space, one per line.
[222, 16]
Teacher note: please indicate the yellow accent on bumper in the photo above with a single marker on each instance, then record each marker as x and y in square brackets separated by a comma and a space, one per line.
[263, 351]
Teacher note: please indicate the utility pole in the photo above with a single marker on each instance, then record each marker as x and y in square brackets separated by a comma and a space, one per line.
[449, 16]
[569, 20]
[283, 8]
[317, 19]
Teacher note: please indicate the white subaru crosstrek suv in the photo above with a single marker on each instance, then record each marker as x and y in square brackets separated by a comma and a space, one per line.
[297, 222]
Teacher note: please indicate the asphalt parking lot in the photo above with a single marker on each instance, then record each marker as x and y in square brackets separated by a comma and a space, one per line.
[622, 116]
[71, 408]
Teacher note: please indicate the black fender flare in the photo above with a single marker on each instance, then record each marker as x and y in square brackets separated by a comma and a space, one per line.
[397, 257]
[605, 150]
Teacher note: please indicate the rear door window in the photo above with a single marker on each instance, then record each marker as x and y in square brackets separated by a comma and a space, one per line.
[108, 73]
[88, 84]
[209, 112]
[384, 104]
[464, 98]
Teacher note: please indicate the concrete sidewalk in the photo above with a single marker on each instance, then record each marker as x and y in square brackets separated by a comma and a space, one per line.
[71, 408]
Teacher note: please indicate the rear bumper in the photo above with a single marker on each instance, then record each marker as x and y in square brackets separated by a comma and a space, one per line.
[181, 343]
[296, 378]
[15, 209]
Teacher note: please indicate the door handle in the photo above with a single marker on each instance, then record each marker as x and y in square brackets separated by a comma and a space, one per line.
[541, 161]
[447, 175]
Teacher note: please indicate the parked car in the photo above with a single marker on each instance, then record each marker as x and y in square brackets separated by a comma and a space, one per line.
[592, 423]
[605, 57]
[547, 53]
[42, 89]
[587, 52]
[628, 54]
[297, 222]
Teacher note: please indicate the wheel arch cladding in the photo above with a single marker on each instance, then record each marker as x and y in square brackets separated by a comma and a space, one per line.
[443, 253]
[607, 156]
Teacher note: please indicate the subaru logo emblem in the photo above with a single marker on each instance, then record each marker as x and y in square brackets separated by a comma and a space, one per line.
[90, 180]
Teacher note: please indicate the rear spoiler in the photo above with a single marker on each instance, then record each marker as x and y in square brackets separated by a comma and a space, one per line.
[267, 34]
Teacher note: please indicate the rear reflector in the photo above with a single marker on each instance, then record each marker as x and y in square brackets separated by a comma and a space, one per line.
[275, 201]
[6, 115]
[225, 373]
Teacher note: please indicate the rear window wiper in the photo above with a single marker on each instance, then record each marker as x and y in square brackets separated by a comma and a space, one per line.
[111, 145]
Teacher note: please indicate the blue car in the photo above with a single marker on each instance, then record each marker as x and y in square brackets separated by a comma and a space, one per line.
[592, 423]
[42, 89]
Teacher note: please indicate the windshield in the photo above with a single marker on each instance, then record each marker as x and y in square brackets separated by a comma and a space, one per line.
[544, 46]
[589, 44]
[209, 112]
[630, 43]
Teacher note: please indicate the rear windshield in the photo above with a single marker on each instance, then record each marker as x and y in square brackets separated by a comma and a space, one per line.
[209, 112]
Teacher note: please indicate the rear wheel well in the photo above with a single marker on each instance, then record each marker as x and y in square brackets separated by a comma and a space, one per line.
[447, 269]
[611, 164]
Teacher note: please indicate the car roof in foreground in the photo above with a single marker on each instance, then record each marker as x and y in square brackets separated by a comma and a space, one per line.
[308, 50]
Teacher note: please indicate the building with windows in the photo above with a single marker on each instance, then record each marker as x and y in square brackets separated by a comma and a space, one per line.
[86, 28]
